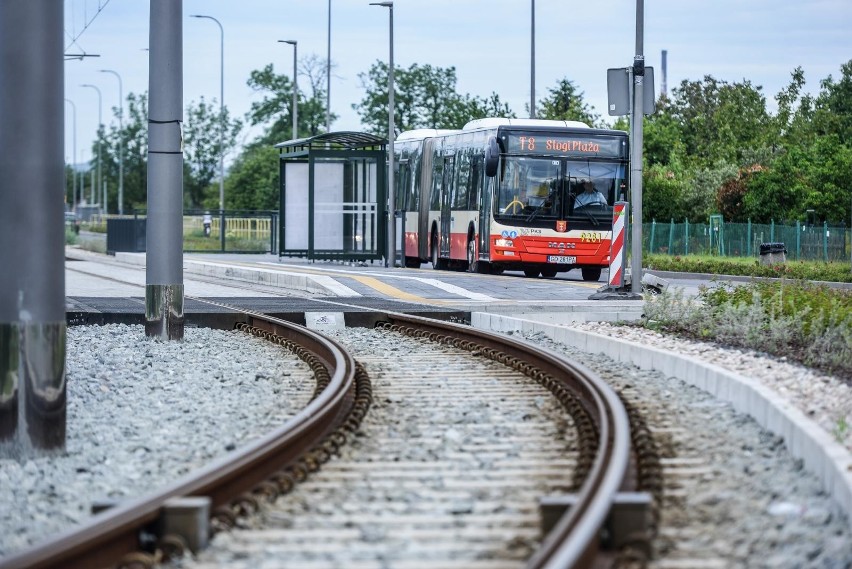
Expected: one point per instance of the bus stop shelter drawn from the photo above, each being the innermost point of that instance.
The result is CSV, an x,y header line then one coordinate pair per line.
x,y
333,197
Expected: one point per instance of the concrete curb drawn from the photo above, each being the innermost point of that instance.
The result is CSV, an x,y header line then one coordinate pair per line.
x,y
804,439
314,284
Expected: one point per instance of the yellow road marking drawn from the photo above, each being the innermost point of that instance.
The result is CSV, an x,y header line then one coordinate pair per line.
x,y
387,289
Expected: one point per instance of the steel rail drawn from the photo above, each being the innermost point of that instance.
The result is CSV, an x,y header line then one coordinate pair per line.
x,y
574,541
108,536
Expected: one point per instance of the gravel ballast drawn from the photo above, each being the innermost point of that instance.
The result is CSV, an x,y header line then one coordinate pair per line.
x,y
143,412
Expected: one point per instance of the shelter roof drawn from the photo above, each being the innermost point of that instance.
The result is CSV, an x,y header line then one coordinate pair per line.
x,y
344,139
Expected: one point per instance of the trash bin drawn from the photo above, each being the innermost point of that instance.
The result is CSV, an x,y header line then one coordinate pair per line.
x,y
126,234
773,253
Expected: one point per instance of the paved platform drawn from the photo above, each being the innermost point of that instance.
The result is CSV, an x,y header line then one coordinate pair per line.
x,y
266,276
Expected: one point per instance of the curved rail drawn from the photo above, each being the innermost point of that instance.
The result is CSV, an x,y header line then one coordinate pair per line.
x,y
118,531
574,541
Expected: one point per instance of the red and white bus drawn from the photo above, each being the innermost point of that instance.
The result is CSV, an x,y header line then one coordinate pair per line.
x,y
503,194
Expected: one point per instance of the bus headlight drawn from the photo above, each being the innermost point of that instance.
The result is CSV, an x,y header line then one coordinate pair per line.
x,y
503,243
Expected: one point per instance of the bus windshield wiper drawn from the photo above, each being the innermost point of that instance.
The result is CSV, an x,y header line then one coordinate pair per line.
x,y
595,221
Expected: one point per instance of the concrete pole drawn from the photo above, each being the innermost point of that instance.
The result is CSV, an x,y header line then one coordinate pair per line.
x,y
636,152
32,284
164,293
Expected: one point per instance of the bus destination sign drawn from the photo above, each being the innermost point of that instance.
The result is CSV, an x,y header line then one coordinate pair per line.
x,y
543,143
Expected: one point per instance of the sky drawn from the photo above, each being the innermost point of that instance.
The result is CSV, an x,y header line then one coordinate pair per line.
x,y
487,41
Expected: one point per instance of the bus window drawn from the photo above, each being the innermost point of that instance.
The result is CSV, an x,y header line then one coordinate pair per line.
x,y
437,177
477,163
527,185
605,177
460,191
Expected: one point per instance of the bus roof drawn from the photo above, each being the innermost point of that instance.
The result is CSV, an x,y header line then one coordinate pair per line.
x,y
421,133
492,122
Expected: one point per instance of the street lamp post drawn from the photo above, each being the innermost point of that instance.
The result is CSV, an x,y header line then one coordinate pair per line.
x,y
221,110
74,199
391,192
532,59
295,90
328,76
120,141
100,124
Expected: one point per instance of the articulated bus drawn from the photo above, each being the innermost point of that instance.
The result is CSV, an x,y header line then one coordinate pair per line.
x,y
501,194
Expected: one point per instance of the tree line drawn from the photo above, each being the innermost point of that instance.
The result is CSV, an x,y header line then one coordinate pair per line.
x,y
710,147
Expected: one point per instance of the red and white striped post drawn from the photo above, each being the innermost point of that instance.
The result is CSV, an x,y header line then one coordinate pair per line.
x,y
616,247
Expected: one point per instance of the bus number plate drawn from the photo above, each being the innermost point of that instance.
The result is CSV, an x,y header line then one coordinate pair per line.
x,y
561,259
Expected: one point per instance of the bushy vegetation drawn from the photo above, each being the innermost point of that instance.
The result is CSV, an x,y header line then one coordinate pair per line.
x,y
71,237
751,267
804,322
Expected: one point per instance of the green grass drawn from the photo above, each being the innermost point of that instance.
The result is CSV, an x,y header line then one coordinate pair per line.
x,y
196,241
745,266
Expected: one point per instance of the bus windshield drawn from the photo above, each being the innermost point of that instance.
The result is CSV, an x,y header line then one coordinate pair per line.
x,y
536,191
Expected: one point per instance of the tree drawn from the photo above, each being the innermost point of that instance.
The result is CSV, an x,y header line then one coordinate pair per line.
x,y
662,194
203,125
424,97
814,176
833,113
134,138
275,110
565,102
253,179
717,120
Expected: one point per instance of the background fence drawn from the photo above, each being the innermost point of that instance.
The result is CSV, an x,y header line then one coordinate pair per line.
x,y
803,241
244,231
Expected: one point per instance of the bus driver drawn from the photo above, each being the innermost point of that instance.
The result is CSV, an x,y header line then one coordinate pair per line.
x,y
589,196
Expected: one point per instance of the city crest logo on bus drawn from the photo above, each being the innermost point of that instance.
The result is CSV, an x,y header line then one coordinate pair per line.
x,y
561,225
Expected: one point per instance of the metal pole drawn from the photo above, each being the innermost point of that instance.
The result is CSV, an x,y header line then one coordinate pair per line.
x,y
328,76
532,59
32,284
295,91
221,114
74,154
636,153
391,257
120,141
100,124
164,292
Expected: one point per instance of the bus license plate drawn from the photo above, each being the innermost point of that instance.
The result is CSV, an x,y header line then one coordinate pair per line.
x,y
561,259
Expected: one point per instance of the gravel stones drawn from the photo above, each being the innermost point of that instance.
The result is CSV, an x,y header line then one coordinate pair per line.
x,y
141,413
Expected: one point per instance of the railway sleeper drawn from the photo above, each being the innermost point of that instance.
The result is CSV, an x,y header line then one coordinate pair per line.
x,y
628,524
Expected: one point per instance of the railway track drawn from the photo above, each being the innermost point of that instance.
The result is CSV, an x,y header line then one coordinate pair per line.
x,y
448,469
133,534
151,528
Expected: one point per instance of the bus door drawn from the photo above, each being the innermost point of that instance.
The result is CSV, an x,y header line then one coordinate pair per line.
x,y
446,225
484,245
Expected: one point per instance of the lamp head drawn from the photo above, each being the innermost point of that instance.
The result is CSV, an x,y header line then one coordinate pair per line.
x,y
385,4
291,42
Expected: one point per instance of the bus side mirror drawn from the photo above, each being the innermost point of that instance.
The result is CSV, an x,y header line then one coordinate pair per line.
x,y
492,157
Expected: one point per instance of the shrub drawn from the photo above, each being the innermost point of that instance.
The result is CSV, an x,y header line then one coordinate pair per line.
x,y
805,322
